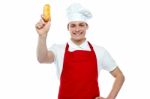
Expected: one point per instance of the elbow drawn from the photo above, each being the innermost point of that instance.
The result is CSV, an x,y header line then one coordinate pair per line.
x,y
40,60
121,77
44,60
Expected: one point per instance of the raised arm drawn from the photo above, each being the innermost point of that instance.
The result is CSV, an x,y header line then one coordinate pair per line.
x,y
43,55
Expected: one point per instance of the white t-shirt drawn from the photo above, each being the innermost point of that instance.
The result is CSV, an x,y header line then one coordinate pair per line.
x,y
104,59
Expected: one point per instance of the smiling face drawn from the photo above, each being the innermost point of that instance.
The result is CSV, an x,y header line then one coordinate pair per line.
x,y
77,31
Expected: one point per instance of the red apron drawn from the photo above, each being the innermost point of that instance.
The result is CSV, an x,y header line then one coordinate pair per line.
x,y
79,78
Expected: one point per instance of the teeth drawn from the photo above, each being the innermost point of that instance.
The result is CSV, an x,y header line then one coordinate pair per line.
x,y
77,34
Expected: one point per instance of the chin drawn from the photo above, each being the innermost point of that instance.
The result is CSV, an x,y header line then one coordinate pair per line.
x,y
78,39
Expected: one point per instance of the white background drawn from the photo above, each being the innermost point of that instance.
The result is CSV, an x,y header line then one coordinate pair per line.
x,y
121,26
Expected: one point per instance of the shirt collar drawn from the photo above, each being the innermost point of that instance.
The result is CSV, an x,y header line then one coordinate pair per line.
x,y
83,46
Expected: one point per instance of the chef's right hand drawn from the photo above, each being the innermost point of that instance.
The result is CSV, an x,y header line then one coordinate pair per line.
x,y
42,27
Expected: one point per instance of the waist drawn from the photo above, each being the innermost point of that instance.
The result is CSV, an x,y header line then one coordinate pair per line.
x,y
77,97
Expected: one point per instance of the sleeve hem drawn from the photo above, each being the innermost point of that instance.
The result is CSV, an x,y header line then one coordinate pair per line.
x,y
112,68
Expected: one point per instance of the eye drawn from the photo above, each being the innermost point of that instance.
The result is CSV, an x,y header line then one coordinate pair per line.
x,y
82,24
72,25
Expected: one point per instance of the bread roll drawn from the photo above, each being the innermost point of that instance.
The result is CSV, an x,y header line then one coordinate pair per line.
x,y
46,13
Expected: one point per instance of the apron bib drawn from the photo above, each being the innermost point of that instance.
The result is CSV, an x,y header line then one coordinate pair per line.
x,y
79,77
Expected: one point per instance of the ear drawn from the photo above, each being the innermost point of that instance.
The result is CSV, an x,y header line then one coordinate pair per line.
x,y
87,26
68,27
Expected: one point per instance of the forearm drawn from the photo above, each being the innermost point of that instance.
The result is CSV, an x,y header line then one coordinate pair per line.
x,y
119,80
42,50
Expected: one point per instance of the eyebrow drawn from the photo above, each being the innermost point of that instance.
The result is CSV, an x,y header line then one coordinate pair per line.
x,y
82,23
77,24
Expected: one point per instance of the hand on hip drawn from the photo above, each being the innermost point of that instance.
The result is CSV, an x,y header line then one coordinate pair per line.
x,y
100,98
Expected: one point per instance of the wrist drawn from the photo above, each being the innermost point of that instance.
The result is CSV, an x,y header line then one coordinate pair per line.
x,y
43,36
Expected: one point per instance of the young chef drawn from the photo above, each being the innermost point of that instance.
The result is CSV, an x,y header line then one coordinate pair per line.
x,y
78,62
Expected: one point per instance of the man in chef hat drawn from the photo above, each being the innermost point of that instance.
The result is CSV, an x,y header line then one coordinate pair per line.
x,y
78,62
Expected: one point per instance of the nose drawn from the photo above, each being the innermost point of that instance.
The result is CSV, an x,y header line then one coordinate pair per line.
x,y
77,29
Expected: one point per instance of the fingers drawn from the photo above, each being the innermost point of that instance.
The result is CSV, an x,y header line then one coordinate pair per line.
x,y
97,98
42,17
100,98
40,24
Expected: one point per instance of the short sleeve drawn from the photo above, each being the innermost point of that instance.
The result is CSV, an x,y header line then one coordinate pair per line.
x,y
108,62
58,51
54,48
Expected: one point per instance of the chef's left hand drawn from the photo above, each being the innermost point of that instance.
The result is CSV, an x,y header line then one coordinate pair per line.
x,y
100,98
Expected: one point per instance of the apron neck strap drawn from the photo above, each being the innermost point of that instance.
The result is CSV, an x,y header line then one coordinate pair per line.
x,y
91,47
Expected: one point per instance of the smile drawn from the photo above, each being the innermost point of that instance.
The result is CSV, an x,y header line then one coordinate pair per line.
x,y
77,34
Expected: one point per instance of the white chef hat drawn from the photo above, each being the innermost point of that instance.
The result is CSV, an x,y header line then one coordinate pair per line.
x,y
76,12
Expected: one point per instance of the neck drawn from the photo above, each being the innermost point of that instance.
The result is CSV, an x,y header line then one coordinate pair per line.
x,y
78,42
